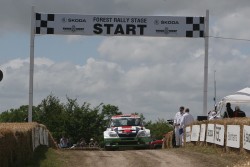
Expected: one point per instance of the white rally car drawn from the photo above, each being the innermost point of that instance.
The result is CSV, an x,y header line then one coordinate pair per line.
x,y
126,131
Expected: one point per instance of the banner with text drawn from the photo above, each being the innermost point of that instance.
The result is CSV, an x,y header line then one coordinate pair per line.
x,y
210,133
219,134
203,132
233,136
116,25
195,132
188,133
246,137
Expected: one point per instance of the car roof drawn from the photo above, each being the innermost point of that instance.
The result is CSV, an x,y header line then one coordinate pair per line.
x,y
125,116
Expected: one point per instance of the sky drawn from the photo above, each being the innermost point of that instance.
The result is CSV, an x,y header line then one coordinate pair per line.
x,y
148,75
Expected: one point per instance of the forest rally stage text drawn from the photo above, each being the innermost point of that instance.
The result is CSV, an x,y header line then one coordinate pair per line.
x,y
130,26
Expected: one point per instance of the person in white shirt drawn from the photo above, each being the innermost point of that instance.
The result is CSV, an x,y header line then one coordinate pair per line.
x,y
212,115
177,122
186,120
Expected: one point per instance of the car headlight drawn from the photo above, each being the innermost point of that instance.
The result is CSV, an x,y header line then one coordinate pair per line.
x,y
113,134
141,134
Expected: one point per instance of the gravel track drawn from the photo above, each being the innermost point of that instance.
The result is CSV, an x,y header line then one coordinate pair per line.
x,y
138,158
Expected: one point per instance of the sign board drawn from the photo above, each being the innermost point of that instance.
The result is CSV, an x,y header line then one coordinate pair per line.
x,y
219,134
233,136
246,137
188,134
195,132
117,25
210,133
203,132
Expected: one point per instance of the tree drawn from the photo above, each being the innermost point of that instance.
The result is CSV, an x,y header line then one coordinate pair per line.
x,y
107,112
70,120
15,115
82,121
159,128
50,112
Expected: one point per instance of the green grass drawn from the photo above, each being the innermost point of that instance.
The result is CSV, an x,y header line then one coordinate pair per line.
x,y
214,155
45,157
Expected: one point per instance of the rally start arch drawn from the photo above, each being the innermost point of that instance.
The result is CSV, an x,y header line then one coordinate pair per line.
x,y
118,25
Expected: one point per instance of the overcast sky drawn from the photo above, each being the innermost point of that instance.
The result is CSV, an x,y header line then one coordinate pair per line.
x,y
148,75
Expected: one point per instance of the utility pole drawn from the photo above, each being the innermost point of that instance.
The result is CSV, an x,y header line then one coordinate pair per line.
x,y
206,64
214,90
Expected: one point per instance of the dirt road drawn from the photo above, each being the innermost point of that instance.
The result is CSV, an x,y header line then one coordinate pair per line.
x,y
138,158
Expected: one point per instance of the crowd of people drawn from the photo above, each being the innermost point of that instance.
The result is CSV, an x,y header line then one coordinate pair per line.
x,y
182,119
65,143
229,112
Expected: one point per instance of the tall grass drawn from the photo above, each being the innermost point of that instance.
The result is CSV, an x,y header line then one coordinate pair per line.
x,y
45,157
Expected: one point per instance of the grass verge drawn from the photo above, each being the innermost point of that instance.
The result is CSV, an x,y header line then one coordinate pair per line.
x,y
215,156
45,157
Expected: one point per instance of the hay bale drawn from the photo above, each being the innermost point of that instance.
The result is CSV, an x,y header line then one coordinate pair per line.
x,y
16,143
7,145
168,140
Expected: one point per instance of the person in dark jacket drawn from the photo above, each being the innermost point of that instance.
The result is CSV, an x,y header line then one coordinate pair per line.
x,y
238,112
229,113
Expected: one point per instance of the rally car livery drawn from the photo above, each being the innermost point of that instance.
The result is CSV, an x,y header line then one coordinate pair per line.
x,y
126,131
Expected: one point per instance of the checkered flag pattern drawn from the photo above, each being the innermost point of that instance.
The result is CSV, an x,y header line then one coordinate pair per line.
x,y
44,23
197,25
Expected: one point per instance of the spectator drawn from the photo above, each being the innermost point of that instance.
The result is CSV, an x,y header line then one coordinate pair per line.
x,y
238,112
63,142
212,114
229,113
83,142
26,119
177,121
186,120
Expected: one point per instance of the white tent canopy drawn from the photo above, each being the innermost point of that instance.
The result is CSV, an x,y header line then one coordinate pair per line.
x,y
240,97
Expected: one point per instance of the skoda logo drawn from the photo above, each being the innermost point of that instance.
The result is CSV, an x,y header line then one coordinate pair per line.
x,y
73,29
64,19
156,22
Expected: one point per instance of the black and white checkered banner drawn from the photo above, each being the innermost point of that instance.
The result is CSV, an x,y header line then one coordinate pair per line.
x,y
115,25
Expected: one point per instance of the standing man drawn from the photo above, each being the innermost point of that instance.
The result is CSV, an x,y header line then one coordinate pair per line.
x,y
229,113
177,121
186,120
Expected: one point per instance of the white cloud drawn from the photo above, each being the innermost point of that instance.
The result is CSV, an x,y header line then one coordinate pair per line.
x,y
235,25
15,64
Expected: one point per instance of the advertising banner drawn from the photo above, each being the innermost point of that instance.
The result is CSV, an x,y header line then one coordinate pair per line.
x,y
246,137
219,134
203,132
195,132
233,136
188,134
210,133
117,25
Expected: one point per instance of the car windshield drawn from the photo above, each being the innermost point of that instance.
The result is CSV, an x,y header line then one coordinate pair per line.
x,y
126,122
